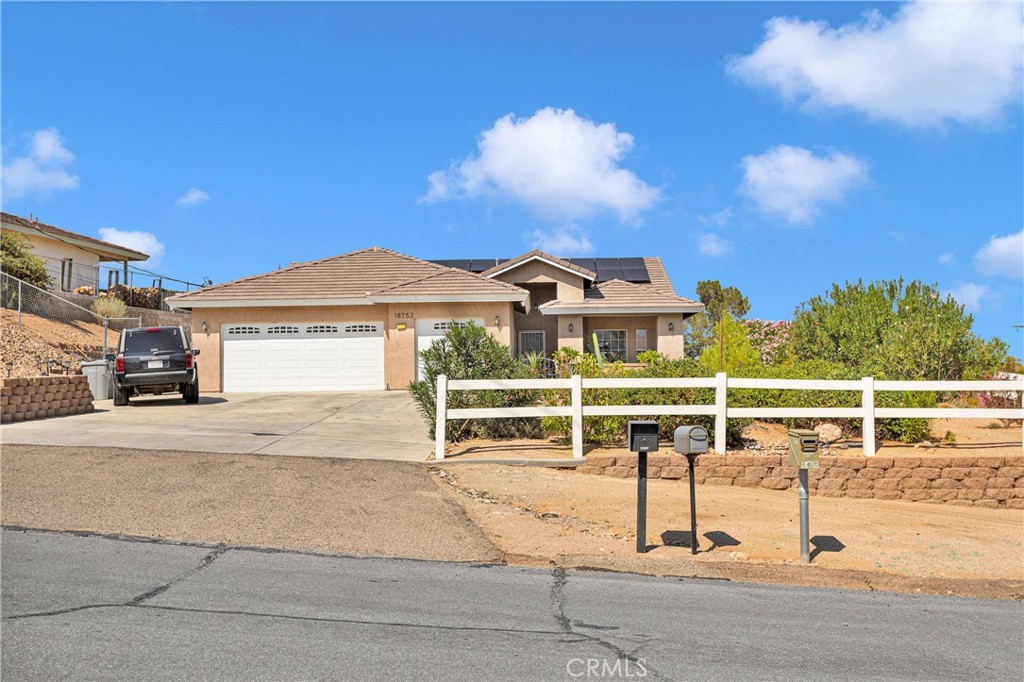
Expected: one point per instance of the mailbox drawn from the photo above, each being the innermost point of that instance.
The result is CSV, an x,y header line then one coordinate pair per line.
x,y
691,440
803,449
642,436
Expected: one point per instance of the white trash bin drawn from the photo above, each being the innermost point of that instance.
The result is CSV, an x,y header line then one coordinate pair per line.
x,y
98,374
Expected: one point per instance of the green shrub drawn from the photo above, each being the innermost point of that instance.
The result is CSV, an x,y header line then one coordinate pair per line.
x,y
109,307
904,429
471,353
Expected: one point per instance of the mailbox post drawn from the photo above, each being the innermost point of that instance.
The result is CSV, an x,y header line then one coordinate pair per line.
x,y
642,437
803,454
691,441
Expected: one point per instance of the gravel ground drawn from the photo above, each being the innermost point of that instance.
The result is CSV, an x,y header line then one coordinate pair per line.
x,y
378,508
39,338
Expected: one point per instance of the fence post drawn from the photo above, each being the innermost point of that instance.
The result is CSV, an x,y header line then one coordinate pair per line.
x,y
19,304
106,324
721,411
576,400
441,414
868,428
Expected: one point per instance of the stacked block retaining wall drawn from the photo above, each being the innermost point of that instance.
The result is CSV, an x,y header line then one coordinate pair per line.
x,y
41,397
974,481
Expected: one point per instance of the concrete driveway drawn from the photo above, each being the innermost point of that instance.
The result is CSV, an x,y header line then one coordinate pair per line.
x,y
367,425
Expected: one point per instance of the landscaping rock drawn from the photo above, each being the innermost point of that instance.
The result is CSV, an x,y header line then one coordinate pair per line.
x,y
828,433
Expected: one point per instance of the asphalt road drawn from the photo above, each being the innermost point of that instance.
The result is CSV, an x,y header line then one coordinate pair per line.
x,y
102,609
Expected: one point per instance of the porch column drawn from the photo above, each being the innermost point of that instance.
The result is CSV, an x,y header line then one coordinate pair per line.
x,y
573,339
670,336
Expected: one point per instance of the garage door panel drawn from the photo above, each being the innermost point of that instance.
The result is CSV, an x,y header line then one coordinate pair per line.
x,y
322,357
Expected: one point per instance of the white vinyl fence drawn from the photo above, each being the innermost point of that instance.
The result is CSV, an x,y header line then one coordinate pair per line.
x,y
721,382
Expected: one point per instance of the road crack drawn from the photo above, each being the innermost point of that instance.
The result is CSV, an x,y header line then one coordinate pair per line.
x,y
207,560
566,624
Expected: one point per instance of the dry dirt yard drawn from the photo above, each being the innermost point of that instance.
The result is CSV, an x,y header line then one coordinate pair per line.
x,y
540,516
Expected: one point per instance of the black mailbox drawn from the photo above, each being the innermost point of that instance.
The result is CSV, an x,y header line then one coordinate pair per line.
x,y
642,436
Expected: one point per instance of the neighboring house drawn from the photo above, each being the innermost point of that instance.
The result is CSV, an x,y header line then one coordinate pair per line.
x,y
359,320
72,260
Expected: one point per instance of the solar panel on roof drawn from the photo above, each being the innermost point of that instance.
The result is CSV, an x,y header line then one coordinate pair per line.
x,y
632,263
461,263
606,273
585,263
635,275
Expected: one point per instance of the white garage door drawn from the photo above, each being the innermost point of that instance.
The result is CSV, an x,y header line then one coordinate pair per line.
x,y
429,331
303,357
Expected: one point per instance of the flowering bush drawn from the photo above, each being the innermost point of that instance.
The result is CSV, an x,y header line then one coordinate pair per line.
x,y
769,339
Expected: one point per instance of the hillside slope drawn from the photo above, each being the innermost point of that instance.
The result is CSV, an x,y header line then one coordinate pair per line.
x,y
41,339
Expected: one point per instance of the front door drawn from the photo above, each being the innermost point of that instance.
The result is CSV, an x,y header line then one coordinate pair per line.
x,y
531,342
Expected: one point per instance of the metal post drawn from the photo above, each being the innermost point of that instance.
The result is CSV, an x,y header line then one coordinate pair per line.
x,y
105,324
693,506
19,304
641,502
805,545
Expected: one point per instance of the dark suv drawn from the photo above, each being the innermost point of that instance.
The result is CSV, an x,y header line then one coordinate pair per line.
x,y
154,361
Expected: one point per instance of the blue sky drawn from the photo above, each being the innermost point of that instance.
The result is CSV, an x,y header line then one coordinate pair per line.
x,y
777,147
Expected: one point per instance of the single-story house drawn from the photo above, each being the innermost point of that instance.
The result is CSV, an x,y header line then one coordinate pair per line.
x,y
358,321
72,260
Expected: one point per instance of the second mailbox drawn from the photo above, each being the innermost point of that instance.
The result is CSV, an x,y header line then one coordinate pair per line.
x,y
803,449
691,440
642,436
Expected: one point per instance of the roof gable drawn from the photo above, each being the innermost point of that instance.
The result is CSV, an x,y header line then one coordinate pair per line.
x,y
537,255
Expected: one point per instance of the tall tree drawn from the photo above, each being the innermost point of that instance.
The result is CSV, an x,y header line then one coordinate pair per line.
x,y
717,300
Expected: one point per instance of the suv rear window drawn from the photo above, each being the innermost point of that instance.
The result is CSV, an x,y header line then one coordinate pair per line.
x,y
142,341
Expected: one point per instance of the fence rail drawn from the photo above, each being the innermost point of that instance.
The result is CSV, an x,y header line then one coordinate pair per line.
x,y
867,411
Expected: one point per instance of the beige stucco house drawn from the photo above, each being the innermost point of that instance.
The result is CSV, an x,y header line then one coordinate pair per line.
x,y
358,321
72,260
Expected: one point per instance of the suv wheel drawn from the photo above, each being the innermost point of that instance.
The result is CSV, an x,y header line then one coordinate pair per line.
x,y
120,396
191,393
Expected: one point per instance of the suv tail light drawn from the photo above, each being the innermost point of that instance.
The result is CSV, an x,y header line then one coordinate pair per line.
x,y
119,364
188,359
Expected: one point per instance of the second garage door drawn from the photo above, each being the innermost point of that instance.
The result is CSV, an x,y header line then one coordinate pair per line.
x,y
291,357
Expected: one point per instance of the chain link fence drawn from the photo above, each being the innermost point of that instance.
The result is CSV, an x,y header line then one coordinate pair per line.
x,y
44,334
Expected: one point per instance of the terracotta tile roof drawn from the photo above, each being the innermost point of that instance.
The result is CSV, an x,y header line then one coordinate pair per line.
x,y
359,275
105,249
658,276
509,264
616,294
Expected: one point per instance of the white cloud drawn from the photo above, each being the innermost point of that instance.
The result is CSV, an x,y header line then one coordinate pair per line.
x,y
146,242
192,197
1002,256
43,170
555,163
947,258
970,295
792,182
713,246
564,241
717,219
930,62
